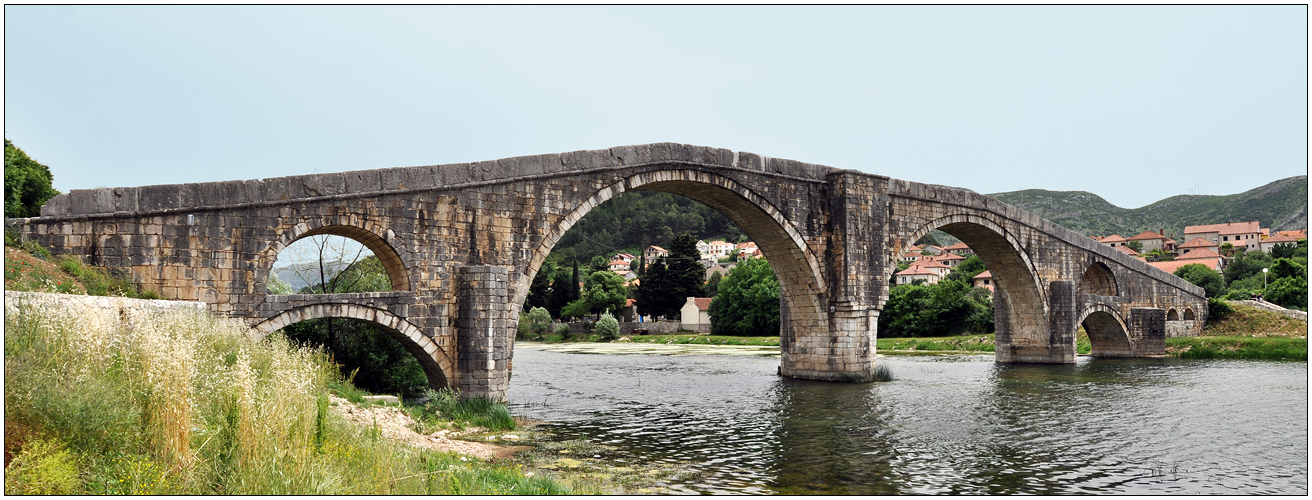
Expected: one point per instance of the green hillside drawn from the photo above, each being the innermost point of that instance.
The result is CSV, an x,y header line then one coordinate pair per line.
x,y
1280,205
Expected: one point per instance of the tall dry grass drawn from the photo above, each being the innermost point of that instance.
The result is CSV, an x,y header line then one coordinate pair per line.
x,y
182,403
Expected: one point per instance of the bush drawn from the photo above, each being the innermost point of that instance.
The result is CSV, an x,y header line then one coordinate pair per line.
x,y
1211,282
1289,292
446,403
747,303
41,468
564,331
539,320
27,183
1218,310
1238,295
608,327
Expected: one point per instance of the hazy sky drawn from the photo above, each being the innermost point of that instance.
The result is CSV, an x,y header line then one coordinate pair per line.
x,y
1133,103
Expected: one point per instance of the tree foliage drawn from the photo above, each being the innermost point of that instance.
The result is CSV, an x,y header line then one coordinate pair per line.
x,y
637,219
564,290
747,303
604,291
28,184
670,280
951,307
967,269
607,326
539,291
1211,282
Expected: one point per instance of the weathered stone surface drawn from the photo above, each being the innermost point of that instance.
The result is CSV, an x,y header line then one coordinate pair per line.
x,y
461,243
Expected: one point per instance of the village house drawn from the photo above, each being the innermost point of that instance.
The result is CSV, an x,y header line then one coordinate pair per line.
x,y
619,265
1280,238
695,314
703,247
1154,241
654,252
720,249
911,256
1196,256
959,248
1238,234
1127,251
926,269
1198,243
628,275
723,269
949,259
933,250
984,280
627,258
1114,240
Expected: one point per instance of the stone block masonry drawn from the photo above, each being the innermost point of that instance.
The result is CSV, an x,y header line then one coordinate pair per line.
x,y
461,243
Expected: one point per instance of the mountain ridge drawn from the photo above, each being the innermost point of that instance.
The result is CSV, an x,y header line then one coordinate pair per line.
x,y
1279,205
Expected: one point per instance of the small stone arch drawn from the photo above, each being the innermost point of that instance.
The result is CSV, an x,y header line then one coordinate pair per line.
x,y
437,364
1107,332
1098,279
1188,314
379,240
800,275
1172,315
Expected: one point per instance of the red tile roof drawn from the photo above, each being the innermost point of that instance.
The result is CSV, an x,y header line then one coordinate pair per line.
x,y
1148,235
702,303
957,246
948,256
1115,238
1227,228
1283,238
1126,250
1198,253
1300,234
1171,265
1197,242
658,249
985,274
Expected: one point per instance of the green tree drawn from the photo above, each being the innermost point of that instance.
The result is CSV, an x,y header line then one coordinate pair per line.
x,y
1246,265
747,302
967,269
607,326
604,291
564,290
539,291
712,285
671,280
1211,282
1288,250
28,184
947,308
1288,268
538,321
1289,292
1135,245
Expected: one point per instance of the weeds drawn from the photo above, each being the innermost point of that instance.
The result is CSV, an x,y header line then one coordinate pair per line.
x,y
183,403
446,404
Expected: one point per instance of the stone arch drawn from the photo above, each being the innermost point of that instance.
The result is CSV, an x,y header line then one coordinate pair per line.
x,y
801,280
1172,315
437,364
1107,331
379,240
1020,305
1098,280
1188,314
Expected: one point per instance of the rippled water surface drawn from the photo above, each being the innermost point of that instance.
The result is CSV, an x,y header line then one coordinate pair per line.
x,y
947,424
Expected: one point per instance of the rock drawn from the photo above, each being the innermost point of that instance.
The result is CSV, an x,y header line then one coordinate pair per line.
x,y
384,399
510,437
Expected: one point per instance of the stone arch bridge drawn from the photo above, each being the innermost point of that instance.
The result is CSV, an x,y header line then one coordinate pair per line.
x,y
462,242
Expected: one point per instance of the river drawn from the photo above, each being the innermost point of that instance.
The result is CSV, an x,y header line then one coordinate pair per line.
x,y
953,424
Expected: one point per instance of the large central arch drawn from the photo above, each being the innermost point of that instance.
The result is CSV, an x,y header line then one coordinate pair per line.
x,y
381,241
1020,306
801,280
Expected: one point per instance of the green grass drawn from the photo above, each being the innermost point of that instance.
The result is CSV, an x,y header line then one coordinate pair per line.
x,y
31,268
446,406
181,403
1267,348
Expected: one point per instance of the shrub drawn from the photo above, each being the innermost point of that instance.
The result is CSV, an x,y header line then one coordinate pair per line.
x,y
446,403
1238,295
1217,310
1211,282
539,320
564,331
44,467
608,327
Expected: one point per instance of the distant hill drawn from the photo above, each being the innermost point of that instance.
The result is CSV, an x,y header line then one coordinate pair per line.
x,y
1280,205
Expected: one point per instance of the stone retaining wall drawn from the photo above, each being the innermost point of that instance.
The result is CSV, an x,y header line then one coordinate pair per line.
x,y
1267,306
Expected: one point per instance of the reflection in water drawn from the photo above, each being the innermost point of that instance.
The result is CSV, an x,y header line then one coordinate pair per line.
x,y
947,424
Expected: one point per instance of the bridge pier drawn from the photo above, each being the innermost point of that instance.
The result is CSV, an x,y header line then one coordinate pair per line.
x,y
1147,332
483,332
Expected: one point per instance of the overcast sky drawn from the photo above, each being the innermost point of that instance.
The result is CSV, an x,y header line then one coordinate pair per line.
x,y
1133,103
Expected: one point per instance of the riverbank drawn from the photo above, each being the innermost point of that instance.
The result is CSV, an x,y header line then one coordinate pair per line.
x,y
175,402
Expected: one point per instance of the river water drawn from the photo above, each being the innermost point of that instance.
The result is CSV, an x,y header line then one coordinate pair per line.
x,y
954,424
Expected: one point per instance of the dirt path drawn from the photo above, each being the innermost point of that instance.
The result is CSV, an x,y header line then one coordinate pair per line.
x,y
394,424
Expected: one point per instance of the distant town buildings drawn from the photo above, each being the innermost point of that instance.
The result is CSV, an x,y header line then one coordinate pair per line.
x,y
1202,244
